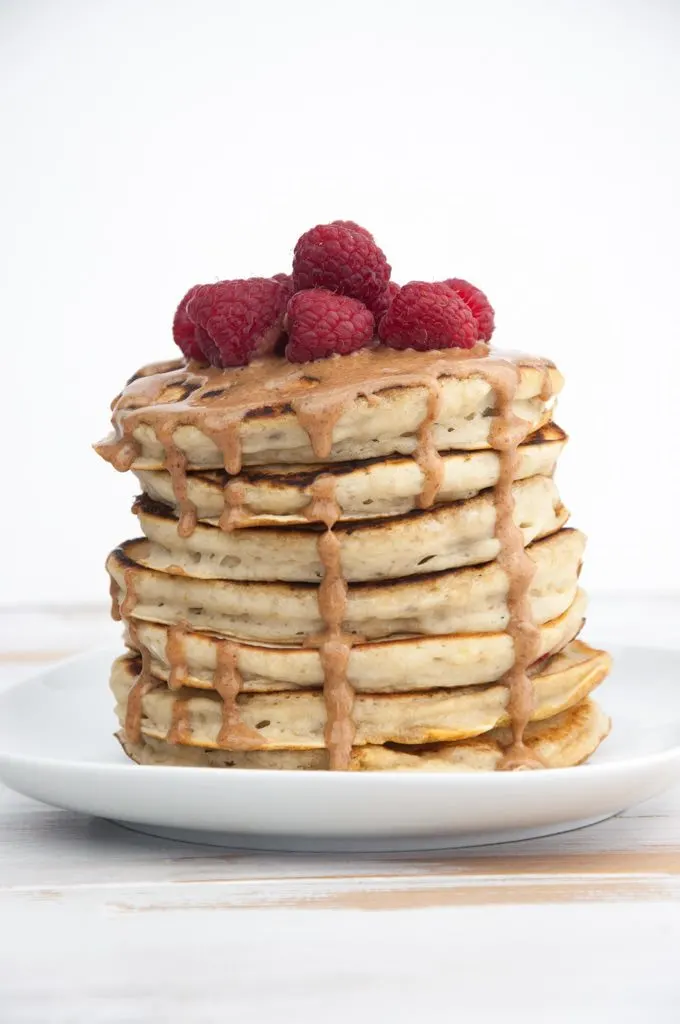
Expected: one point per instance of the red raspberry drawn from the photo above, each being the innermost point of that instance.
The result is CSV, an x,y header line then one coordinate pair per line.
x,y
480,306
211,353
386,301
428,316
341,259
242,319
185,332
284,279
321,323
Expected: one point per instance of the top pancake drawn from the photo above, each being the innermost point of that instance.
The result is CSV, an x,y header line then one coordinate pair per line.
x,y
366,405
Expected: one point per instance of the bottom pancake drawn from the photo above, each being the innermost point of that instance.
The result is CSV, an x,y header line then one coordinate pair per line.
x,y
565,740
294,720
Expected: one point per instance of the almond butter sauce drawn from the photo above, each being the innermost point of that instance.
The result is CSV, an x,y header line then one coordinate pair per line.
x,y
334,645
166,398
426,454
175,656
127,605
142,685
176,465
180,722
234,733
234,499
508,432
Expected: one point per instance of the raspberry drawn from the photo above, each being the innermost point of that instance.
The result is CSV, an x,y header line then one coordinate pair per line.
x,y
386,301
321,323
211,353
480,306
185,332
428,316
242,319
343,259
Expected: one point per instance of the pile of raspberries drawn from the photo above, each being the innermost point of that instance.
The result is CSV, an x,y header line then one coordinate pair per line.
x,y
338,299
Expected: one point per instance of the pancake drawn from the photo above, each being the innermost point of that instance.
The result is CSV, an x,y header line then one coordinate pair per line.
x,y
445,537
380,401
296,720
369,489
467,600
396,666
563,741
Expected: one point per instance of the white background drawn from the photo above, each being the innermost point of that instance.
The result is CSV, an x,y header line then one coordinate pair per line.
x,y
530,147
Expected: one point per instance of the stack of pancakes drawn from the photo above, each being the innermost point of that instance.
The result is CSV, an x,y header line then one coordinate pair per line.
x,y
321,570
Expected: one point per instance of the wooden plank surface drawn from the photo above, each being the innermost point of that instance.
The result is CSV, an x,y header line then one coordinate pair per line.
x,y
98,923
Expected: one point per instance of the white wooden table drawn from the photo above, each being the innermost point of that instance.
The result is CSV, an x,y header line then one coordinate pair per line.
x,y
98,924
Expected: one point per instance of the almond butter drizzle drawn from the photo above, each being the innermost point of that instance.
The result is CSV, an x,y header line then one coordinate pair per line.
x,y
129,601
176,465
234,499
508,432
175,656
334,645
142,685
234,733
270,384
180,723
427,454
227,437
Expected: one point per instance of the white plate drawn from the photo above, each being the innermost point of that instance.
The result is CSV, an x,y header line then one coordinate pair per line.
x,y
56,745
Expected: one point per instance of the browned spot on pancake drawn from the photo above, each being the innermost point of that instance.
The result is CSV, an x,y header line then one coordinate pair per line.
x,y
178,391
123,559
267,411
147,505
546,435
